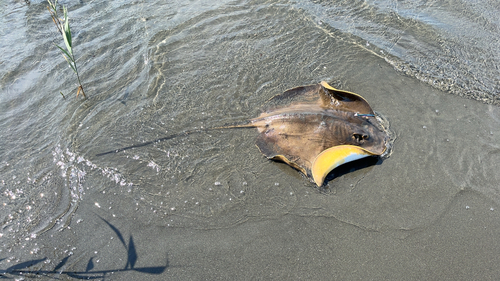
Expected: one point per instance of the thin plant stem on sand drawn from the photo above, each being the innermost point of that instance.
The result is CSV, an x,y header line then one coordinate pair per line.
x,y
63,27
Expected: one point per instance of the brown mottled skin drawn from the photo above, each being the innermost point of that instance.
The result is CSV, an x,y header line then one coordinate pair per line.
x,y
302,122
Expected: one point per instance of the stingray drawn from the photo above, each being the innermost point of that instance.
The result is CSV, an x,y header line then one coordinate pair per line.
x,y
314,129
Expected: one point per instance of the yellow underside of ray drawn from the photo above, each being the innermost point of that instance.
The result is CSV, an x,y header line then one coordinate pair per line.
x,y
333,157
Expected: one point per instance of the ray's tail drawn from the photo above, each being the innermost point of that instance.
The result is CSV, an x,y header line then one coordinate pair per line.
x,y
244,124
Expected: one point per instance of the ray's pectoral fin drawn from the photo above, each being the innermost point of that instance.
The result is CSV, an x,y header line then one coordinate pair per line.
x,y
273,151
345,100
333,157
267,148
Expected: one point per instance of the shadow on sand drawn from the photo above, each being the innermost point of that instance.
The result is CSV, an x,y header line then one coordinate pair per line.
x,y
22,269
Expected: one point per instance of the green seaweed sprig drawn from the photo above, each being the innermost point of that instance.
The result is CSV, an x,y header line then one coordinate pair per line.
x,y
63,27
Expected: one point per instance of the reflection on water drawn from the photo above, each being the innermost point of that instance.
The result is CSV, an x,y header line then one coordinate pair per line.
x,y
152,69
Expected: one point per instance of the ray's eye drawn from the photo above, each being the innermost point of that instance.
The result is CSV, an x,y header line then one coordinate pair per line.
x,y
360,137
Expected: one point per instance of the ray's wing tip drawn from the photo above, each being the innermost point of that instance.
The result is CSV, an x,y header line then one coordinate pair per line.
x,y
333,157
326,85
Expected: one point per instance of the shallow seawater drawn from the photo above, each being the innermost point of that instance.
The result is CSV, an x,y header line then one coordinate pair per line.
x,y
208,205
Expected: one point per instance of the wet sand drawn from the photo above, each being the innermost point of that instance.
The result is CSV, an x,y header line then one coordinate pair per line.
x,y
429,211
460,244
